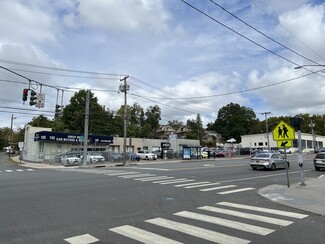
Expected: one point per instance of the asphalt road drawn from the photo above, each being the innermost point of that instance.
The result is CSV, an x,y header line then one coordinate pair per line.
x,y
184,202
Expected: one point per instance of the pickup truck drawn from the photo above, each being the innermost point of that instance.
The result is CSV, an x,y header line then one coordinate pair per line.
x,y
146,155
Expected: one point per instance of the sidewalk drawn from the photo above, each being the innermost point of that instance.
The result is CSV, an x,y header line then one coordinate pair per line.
x,y
308,198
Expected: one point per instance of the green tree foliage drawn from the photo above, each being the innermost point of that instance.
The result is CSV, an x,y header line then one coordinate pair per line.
x,y
151,122
135,119
175,124
74,114
234,120
195,127
41,121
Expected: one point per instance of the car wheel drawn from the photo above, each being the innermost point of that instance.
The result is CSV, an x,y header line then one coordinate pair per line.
x,y
146,158
254,168
317,168
273,167
68,161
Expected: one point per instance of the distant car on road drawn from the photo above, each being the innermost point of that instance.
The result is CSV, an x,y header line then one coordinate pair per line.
x,y
319,161
270,161
146,155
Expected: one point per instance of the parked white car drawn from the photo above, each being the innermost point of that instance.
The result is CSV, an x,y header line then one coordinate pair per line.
x,y
70,160
146,155
94,158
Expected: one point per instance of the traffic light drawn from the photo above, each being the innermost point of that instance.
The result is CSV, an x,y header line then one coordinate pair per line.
x,y
32,99
25,95
57,111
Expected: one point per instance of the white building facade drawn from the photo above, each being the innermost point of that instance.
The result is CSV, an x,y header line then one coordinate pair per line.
x,y
309,142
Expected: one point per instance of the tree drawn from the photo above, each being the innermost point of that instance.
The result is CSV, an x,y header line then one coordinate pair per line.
x,y
74,114
41,121
195,127
175,124
235,120
151,122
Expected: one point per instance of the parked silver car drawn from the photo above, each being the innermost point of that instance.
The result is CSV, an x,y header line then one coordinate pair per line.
x,y
270,161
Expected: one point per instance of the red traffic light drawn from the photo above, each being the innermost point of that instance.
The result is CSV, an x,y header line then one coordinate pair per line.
x,y
25,95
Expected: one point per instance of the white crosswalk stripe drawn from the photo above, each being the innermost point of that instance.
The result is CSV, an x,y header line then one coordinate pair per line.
x,y
122,173
176,181
82,239
142,235
202,185
137,175
154,178
9,171
235,191
192,184
256,217
264,210
30,169
217,188
145,236
197,231
19,170
164,181
228,223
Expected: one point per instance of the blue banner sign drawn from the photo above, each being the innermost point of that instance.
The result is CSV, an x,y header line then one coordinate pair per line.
x,y
70,137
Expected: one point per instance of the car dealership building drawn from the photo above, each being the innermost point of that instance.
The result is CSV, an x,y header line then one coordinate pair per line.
x,y
44,145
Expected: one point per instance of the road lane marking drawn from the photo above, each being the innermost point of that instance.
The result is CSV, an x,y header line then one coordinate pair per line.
x,y
142,235
176,181
192,184
198,232
264,210
235,191
19,170
155,178
256,217
162,181
217,188
202,185
9,171
151,168
122,173
224,222
136,176
30,169
82,239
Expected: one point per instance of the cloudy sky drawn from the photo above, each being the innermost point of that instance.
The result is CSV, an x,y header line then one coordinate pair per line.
x,y
187,57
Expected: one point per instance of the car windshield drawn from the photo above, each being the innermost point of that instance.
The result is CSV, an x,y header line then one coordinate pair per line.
x,y
320,156
262,155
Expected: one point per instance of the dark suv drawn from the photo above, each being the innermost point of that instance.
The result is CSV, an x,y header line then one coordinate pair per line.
x,y
319,161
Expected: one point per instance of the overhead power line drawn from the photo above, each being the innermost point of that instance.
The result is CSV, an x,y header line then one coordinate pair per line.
x,y
287,30
60,69
263,34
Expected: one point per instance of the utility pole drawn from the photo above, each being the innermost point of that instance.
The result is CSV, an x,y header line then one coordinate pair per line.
x,y
11,135
85,147
312,125
124,88
267,130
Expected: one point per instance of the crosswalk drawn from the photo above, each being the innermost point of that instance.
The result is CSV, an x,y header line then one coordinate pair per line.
x,y
16,170
203,186
219,220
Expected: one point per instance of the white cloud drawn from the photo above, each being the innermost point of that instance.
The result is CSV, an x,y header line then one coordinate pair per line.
x,y
127,15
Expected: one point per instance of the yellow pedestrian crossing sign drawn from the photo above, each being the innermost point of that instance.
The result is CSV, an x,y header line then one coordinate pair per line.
x,y
283,132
